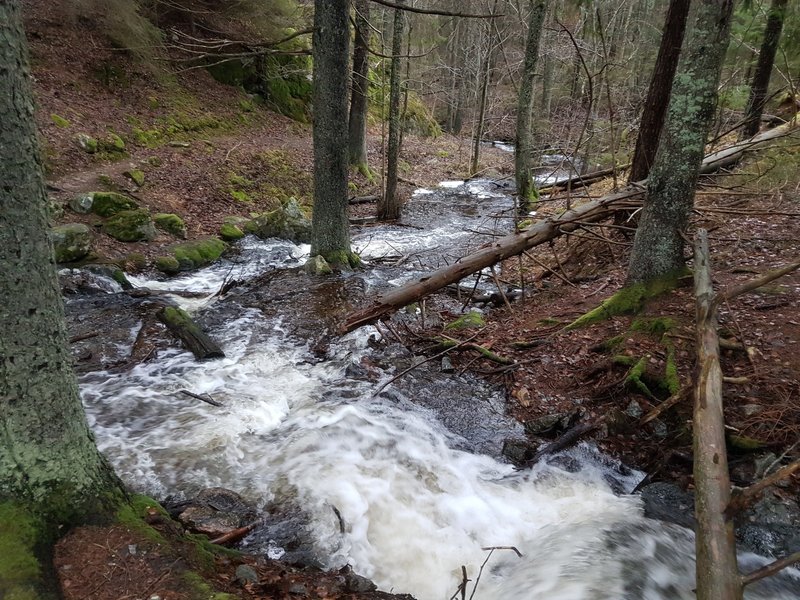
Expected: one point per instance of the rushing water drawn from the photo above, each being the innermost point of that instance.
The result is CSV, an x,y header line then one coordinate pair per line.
x,y
413,471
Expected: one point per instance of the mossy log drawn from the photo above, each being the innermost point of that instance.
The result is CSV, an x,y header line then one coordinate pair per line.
x,y
193,337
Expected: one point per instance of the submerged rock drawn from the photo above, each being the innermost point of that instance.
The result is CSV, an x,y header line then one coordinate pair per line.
x,y
71,242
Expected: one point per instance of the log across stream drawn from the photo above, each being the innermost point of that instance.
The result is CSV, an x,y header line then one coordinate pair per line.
x,y
414,472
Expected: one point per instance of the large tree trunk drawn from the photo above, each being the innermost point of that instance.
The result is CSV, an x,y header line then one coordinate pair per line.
x,y
766,59
658,246
49,464
717,571
485,77
360,88
523,151
330,227
658,94
389,207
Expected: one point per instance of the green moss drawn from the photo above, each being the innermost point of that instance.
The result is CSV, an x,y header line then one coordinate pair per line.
x,y
132,515
230,232
241,196
59,121
150,138
171,223
744,443
635,377
20,532
624,359
199,589
114,143
105,180
168,264
613,343
130,226
672,381
135,175
197,253
342,259
87,143
470,320
626,301
364,169
107,204
657,327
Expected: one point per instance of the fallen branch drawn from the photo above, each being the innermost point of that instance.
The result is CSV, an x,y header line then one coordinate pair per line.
x,y
745,497
195,339
771,568
204,397
755,283
565,441
717,571
83,336
234,536
665,405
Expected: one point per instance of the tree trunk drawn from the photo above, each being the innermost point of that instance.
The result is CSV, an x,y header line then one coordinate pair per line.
x,y
658,246
766,59
717,571
389,207
486,75
523,151
49,464
658,94
360,89
330,227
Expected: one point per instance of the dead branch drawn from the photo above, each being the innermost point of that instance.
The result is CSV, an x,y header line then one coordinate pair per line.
x,y
203,397
665,405
565,441
745,497
427,11
771,568
755,283
235,535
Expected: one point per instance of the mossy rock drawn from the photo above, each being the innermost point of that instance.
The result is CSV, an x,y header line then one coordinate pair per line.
x,y
171,223
317,265
131,226
105,204
113,143
470,320
71,242
288,222
230,232
136,176
87,143
191,255
59,121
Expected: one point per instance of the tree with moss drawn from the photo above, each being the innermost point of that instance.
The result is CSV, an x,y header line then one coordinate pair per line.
x,y
659,242
52,476
330,228
523,151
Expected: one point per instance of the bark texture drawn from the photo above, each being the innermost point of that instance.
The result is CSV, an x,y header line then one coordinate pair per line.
x,y
763,73
51,473
526,190
389,207
717,571
658,246
330,227
658,94
360,87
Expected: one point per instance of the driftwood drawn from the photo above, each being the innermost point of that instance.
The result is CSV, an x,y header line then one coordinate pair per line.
x,y
717,571
203,397
234,535
193,337
541,232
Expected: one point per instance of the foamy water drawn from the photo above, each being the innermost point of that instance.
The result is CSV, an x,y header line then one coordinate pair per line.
x,y
299,432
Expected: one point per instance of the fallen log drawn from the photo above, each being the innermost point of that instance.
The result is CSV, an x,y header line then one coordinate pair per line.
x,y
717,570
733,154
499,250
193,337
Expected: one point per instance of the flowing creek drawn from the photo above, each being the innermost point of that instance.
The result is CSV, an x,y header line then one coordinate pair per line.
x,y
414,471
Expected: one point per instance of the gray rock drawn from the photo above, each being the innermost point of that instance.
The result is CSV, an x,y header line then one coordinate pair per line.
x,y
287,222
634,410
71,242
82,204
246,574
317,265
668,502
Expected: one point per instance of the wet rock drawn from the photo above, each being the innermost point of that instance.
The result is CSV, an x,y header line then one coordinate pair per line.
x,y
230,232
246,574
545,424
288,222
518,451
191,255
356,584
471,320
447,365
214,512
71,242
130,226
112,272
667,502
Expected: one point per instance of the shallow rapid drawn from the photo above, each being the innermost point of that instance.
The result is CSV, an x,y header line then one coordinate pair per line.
x,y
413,472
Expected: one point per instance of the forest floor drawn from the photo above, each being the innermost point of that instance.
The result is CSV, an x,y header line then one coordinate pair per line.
x,y
207,153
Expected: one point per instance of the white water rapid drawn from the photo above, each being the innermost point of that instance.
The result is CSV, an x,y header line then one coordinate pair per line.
x,y
416,505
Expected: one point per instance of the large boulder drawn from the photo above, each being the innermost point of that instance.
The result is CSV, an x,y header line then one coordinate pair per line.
x,y
288,222
71,242
131,226
105,204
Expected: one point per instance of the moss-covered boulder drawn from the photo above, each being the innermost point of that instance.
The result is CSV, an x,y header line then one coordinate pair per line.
x,y
131,226
105,204
71,242
317,265
230,232
191,255
171,223
136,176
87,143
288,222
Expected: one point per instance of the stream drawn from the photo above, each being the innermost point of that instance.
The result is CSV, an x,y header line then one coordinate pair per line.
x,y
414,471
